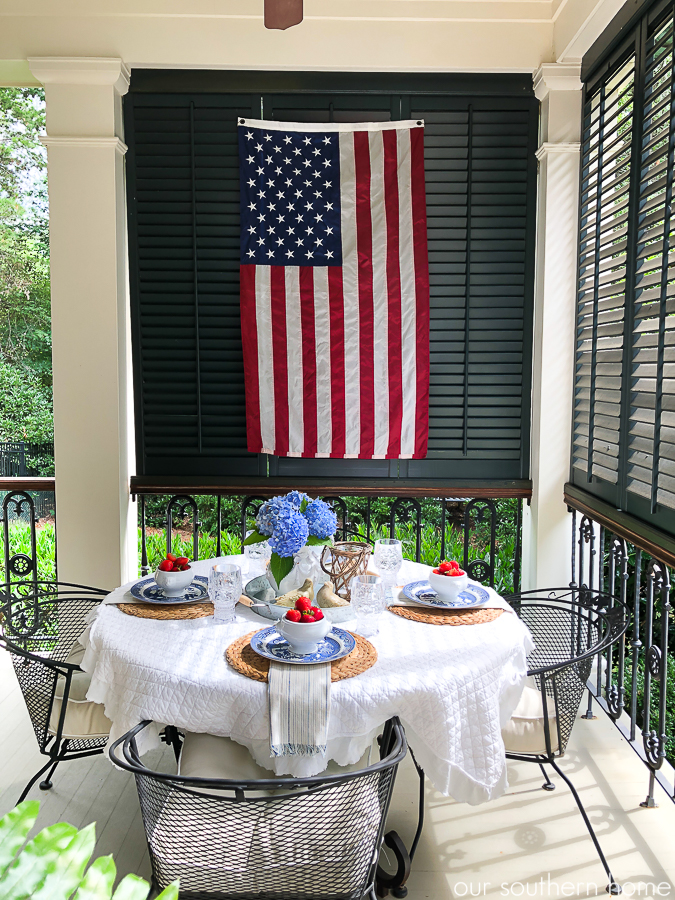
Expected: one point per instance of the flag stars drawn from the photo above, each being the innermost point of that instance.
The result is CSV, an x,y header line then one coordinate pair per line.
x,y
319,218
268,137
287,139
268,159
297,151
316,174
270,183
317,193
251,206
280,195
307,141
289,253
319,242
326,162
326,140
316,151
308,205
299,242
249,135
329,254
276,149
296,171
259,170
251,253
260,242
251,230
278,170
270,252
280,241
287,161
307,162
251,182
288,182
261,193
250,159
310,254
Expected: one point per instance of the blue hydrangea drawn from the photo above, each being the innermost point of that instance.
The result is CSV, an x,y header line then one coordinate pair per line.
x,y
321,519
267,515
290,531
295,498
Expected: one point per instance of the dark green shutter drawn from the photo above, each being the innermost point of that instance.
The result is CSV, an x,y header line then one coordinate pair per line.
x,y
183,191
624,431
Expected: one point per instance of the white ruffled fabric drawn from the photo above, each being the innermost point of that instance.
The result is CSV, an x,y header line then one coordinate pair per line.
x,y
453,687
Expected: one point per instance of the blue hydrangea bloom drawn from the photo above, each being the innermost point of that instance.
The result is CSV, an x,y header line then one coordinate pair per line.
x,y
321,519
267,515
290,531
295,498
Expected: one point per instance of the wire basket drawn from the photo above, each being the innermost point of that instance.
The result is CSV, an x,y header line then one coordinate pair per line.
x,y
343,561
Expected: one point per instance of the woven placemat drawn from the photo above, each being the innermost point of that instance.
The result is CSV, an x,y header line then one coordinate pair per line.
x,y
447,616
246,661
175,611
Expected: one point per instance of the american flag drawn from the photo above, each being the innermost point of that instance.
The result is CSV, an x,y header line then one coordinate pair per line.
x,y
334,289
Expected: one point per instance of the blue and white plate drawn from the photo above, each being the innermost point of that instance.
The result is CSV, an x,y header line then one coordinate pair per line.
x,y
422,592
270,644
151,592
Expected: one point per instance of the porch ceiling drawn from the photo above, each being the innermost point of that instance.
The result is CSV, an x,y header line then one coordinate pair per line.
x,y
365,35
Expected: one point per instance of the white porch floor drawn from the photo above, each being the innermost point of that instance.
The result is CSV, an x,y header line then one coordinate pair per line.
x,y
526,836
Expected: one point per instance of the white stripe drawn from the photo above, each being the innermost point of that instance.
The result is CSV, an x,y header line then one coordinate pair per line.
x,y
408,309
296,433
350,291
263,315
324,429
380,296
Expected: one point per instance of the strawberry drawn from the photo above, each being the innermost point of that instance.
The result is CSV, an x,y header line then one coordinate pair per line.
x,y
308,619
437,572
184,568
314,610
182,561
165,566
303,604
171,557
318,615
293,615
175,568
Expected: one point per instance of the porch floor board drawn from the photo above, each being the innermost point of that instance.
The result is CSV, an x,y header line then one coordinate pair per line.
x,y
519,840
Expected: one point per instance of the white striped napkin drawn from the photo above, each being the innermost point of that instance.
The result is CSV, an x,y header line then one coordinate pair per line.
x,y
299,709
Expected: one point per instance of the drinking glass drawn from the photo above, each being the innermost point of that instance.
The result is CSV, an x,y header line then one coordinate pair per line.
x,y
224,590
367,597
388,558
257,557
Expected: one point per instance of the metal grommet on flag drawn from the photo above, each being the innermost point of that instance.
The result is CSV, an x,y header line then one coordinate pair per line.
x,y
334,289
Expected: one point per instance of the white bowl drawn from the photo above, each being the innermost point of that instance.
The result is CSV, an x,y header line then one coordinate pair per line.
x,y
448,587
303,637
174,583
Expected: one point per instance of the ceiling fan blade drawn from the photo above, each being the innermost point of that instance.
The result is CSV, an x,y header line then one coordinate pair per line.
x,y
282,13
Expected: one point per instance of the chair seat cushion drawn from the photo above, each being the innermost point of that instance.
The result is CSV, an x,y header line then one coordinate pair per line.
x,y
525,732
84,719
208,756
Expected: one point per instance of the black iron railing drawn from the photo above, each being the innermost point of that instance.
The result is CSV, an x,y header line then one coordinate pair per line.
x,y
476,530
632,680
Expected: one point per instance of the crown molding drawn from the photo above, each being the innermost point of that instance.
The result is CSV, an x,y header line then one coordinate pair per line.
x,y
562,147
81,70
556,77
74,141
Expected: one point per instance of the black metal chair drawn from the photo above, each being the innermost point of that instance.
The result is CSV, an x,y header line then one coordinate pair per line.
x,y
570,627
246,836
41,622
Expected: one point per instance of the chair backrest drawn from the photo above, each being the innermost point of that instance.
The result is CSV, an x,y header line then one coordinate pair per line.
x,y
276,838
570,627
41,622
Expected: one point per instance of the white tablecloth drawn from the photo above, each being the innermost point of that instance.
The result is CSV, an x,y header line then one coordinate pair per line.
x,y
453,688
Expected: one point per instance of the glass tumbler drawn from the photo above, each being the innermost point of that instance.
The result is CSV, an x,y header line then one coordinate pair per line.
x,y
224,590
388,558
257,557
367,598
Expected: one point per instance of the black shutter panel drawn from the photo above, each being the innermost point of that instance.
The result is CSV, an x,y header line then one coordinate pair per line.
x,y
184,253
184,238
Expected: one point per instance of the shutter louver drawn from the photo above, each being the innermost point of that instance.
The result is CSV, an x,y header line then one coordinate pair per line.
x,y
605,187
651,447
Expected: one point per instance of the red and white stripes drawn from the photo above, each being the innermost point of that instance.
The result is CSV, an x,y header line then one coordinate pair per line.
x,y
336,358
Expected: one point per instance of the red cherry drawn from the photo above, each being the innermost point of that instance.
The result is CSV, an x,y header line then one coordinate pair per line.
x,y
303,604
318,615
165,565
293,615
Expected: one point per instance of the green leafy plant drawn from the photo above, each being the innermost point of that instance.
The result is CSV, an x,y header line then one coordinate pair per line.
x,y
53,865
19,542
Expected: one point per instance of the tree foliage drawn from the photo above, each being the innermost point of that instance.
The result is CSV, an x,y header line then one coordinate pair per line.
x,y
25,314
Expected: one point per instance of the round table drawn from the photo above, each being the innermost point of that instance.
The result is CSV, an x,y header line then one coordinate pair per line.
x,y
453,687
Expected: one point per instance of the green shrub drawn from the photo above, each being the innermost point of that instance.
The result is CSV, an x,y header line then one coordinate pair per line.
x,y
53,865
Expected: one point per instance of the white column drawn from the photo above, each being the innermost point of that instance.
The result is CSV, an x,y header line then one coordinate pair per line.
x,y
93,426
546,524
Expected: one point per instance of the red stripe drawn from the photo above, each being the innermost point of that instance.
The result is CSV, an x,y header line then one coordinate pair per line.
x,y
337,360
421,259
393,294
308,359
364,245
279,358
249,340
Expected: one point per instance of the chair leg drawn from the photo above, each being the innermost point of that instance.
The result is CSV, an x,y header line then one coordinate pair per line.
x,y
548,784
51,764
612,887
